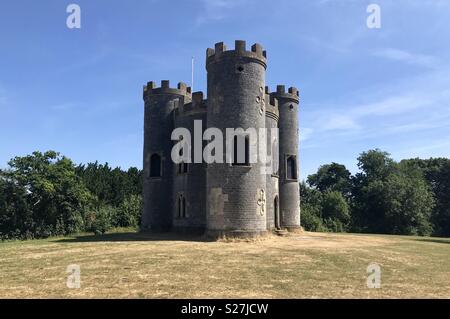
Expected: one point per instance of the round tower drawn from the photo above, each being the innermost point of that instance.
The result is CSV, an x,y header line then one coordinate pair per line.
x,y
189,184
288,103
236,99
272,166
158,166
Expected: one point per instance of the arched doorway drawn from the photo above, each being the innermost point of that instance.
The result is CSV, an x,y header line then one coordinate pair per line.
x,y
276,213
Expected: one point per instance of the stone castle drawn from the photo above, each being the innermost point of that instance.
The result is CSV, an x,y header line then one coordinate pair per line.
x,y
230,198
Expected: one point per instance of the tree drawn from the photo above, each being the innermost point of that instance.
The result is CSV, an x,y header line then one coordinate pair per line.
x,y
390,197
110,186
437,174
332,177
335,211
128,214
310,207
408,203
51,197
328,211
15,215
375,164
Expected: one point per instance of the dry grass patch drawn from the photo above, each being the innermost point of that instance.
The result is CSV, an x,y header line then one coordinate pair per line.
x,y
302,265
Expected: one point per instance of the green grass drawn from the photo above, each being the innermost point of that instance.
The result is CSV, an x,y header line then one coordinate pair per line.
x,y
127,264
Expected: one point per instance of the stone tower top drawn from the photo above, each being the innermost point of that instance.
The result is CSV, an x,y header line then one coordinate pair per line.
x,y
198,105
181,89
291,94
220,51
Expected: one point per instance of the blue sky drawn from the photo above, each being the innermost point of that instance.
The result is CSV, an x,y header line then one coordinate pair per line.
x,y
80,91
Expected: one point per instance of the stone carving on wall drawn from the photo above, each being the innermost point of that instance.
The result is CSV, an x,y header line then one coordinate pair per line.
x,y
261,201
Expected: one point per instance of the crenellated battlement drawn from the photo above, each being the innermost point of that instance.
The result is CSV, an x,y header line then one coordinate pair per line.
x,y
271,105
152,89
220,51
291,94
197,105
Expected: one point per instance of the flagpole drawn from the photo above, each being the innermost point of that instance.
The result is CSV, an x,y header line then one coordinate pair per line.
x,y
192,75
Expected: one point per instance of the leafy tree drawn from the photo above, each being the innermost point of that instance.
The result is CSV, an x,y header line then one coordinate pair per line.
x,y
332,177
100,221
437,174
408,203
46,197
310,206
128,214
328,211
335,211
15,215
110,186
390,197
375,165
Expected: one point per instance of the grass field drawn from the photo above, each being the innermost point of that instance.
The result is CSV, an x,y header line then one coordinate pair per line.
x,y
304,265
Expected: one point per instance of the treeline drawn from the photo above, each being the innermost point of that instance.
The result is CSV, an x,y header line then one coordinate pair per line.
x,y
46,194
410,197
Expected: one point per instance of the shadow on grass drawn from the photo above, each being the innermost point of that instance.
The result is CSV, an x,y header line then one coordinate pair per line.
x,y
135,236
435,240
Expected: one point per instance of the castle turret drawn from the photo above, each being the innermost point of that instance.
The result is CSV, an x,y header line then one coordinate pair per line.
x,y
288,103
189,187
158,165
236,99
273,199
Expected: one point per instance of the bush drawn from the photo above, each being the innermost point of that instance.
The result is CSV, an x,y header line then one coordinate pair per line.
x,y
311,220
128,214
99,221
335,211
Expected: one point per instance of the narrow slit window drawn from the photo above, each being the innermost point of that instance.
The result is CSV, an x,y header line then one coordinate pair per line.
x,y
155,165
182,168
181,206
291,167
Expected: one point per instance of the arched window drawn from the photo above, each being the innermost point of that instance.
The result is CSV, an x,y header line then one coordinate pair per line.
x,y
181,204
291,167
155,165
241,156
276,212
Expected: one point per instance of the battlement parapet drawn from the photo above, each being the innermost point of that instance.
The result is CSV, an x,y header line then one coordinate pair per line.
x,y
292,94
182,89
220,52
271,105
197,105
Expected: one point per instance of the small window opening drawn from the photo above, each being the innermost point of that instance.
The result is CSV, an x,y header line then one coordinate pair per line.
x,y
291,167
155,165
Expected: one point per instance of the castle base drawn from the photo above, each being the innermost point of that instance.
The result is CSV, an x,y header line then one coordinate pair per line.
x,y
242,234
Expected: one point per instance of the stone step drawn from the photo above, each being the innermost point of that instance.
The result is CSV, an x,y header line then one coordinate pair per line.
x,y
281,232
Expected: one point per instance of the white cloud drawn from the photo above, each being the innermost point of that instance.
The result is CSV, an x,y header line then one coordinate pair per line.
x,y
305,133
408,57
414,104
216,10
340,122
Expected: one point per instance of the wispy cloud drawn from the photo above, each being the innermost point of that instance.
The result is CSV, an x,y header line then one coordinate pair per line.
x,y
216,10
408,57
411,106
